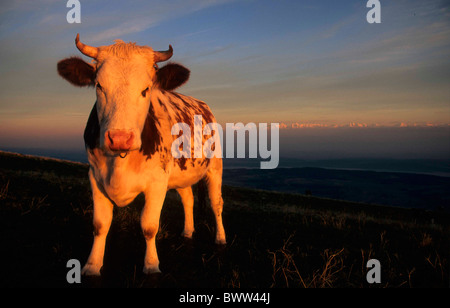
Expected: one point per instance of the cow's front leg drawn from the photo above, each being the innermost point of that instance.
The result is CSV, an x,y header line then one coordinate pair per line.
x,y
154,199
103,213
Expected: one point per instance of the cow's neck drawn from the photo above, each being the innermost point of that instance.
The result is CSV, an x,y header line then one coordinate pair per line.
x,y
156,134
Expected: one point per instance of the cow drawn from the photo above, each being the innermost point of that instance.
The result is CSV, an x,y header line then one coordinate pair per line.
x,y
128,141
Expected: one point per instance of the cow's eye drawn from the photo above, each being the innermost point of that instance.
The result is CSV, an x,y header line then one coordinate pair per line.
x,y
98,86
144,92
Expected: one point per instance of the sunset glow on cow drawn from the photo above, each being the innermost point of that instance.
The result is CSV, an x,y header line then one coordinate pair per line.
x,y
128,140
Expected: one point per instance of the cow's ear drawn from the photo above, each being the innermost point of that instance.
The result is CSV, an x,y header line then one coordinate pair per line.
x,y
77,72
172,76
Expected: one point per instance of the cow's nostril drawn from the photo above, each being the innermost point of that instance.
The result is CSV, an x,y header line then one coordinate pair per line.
x,y
130,139
109,138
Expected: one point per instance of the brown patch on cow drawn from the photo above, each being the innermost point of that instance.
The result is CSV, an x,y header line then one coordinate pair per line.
x,y
92,130
163,105
174,108
183,115
181,163
206,162
76,71
206,113
164,158
185,110
177,96
151,136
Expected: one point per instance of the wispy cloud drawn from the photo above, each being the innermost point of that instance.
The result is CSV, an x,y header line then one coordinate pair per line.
x,y
356,125
121,30
140,17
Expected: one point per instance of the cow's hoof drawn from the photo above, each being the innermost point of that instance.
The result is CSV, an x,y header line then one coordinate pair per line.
x,y
148,270
91,270
92,282
221,242
152,280
187,234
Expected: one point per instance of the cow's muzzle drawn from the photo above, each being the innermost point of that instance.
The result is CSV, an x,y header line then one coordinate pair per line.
x,y
119,140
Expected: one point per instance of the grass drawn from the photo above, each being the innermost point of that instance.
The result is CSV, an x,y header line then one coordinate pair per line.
x,y
274,239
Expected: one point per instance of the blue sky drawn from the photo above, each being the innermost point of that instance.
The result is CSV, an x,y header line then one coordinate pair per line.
x,y
294,62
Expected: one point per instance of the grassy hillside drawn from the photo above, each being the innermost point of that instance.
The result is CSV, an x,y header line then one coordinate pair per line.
x,y
274,239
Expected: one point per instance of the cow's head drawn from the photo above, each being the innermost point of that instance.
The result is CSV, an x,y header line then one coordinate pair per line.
x,y
124,76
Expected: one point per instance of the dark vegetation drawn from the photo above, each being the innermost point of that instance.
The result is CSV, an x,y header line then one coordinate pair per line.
x,y
274,239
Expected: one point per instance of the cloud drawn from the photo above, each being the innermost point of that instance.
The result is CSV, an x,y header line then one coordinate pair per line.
x,y
332,30
140,16
356,125
121,30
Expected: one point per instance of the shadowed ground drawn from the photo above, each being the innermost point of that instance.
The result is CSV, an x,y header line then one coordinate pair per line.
x,y
274,239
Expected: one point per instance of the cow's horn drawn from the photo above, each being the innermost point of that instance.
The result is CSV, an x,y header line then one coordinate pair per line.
x,y
86,49
161,56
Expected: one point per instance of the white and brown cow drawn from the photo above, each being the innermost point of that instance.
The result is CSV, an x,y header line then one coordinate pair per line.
x,y
128,140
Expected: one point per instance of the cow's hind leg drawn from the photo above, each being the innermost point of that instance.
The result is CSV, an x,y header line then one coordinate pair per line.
x,y
213,181
187,198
